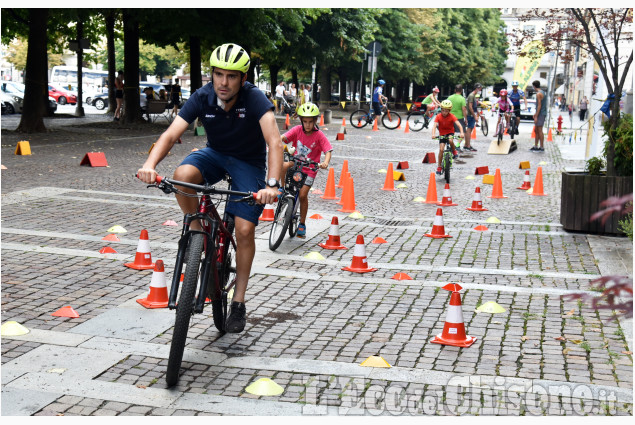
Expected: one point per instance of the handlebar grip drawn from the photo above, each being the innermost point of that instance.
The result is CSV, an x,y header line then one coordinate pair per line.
x,y
158,179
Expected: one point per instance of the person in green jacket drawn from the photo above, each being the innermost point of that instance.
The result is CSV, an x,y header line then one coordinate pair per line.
x,y
459,110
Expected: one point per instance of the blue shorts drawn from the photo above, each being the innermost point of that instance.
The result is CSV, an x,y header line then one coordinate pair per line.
x,y
377,108
245,178
471,122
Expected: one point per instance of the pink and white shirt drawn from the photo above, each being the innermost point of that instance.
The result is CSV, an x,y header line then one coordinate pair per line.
x,y
308,145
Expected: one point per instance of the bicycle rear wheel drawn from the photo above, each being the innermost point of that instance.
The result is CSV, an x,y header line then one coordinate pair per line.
x,y
512,128
484,128
226,265
359,118
280,223
185,308
416,121
391,120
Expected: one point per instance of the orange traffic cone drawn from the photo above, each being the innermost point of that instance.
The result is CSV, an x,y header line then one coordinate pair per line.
x,y
267,213
389,184
454,327
333,242
379,239
473,136
158,297
287,123
345,189
431,196
349,197
107,250
67,311
526,184
538,189
438,229
359,263
143,258
446,201
343,122
533,132
497,192
481,228
375,125
401,276
549,136
111,237
340,184
477,203
329,191
506,133
407,130
321,120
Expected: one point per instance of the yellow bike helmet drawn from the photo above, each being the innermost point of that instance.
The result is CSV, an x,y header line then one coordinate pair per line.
x,y
446,104
309,110
230,56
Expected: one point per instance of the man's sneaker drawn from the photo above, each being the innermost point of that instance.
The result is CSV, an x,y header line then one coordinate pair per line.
x,y
237,318
301,231
439,170
534,148
470,148
455,154
541,149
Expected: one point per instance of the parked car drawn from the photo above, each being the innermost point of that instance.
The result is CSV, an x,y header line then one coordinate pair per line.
x,y
416,105
527,113
155,86
62,96
52,106
12,101
4,107
100,101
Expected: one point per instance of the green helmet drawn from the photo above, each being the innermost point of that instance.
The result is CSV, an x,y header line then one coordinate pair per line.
x,y
446,104
308,110
230,56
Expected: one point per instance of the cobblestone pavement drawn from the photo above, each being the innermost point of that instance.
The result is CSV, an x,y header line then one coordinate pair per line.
x,y
310,324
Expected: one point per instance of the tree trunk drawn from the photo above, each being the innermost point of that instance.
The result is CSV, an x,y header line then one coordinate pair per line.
x,y
110,37
132,109
36,91
196,81
273,74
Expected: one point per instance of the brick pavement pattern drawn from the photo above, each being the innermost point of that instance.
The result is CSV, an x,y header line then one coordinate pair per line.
x,y
309,323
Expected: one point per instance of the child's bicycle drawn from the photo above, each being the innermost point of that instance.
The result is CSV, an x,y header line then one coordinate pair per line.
x,y
448,156
501,126
390,119
418,120
211,263
286,216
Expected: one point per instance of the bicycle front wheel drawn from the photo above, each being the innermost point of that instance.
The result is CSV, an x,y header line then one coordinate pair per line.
x,y
226,266
448,163
295,221
416,121
484,128
280,223
391,120
185,308
359,118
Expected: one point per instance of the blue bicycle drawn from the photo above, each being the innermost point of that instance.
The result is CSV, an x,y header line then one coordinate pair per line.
x,y
287,216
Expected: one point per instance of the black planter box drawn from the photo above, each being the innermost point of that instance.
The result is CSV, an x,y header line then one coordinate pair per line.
x,y
581,196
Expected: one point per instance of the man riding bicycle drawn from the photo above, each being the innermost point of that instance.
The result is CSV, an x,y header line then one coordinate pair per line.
x,y
240,125
378,98
504,107
446,121
515,96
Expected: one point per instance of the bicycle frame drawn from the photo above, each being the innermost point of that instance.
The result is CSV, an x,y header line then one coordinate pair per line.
x,y
211,223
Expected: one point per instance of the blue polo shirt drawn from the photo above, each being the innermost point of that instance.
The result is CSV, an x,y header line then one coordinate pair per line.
x,y
237,132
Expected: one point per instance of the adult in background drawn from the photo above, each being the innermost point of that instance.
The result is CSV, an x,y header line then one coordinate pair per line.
x,y
279,95
459,110
175,97
472,111
515,96
118,94
584,105
539,117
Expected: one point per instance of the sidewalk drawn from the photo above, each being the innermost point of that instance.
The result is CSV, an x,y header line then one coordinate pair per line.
x,y
310,324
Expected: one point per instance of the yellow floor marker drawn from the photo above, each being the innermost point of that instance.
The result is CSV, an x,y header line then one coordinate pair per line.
x,y
419,199
117,229
264,386
314,256
490,307
375,361
402,186
492,220
488,179
23,148
13,328
356,214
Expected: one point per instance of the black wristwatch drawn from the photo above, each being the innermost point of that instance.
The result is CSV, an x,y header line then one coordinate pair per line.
x,y
272,182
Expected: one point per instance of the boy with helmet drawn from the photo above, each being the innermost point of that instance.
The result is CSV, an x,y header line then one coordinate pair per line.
x,y
240,125
504,107
515,96
445,121
378,98
309,142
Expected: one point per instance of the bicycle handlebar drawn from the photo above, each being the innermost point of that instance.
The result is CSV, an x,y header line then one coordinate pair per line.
x,y
167,186
306,161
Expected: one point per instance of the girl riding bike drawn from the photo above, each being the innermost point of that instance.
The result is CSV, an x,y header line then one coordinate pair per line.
x,y
504,106
309,142
445,120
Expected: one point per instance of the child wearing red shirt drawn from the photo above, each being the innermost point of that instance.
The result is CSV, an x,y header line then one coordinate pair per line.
x,y
445,121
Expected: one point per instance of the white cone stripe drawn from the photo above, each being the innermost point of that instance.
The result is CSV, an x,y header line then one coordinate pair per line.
x,y
143,245
526,178
477,196
158,280
455,314
360,251
438,220
335,230
268,206
446,193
